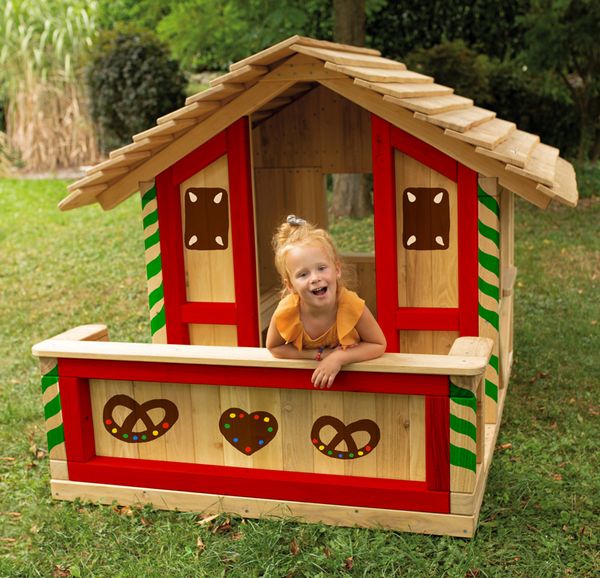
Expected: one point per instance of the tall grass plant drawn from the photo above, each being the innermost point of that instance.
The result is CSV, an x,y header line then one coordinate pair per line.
x,y
41,57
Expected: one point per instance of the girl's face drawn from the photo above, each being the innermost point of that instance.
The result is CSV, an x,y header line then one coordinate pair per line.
x,y
313,275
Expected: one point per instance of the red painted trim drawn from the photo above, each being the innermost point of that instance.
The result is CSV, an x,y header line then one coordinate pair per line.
x,y
404,384
468,261
424,153
384,203
427,318
199,159
258,483
211,313
242,232
171,247
76,406
437,443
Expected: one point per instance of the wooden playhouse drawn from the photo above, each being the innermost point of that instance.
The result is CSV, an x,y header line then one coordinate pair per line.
x,y
204,418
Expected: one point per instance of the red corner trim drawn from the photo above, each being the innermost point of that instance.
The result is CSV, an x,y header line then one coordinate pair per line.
x,y
437,450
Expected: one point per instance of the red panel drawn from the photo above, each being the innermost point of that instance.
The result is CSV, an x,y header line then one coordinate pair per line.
x,y
199,159
252,376
242,231
171,248
211,313
384,203
424,153
427,318
257,483
76,409
468,264
437,444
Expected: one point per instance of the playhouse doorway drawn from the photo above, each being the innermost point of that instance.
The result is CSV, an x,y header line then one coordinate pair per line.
x,y
293,150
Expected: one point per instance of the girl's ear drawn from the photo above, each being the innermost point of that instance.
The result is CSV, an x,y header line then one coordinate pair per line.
x,y
288,285
338,270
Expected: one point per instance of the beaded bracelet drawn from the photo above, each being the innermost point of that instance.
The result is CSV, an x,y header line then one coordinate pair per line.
x,y
318,356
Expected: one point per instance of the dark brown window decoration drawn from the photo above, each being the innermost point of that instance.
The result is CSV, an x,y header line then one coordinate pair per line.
x,y
206,219
426,219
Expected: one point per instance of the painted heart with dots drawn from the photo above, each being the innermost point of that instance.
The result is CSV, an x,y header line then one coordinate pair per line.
x,y
248,432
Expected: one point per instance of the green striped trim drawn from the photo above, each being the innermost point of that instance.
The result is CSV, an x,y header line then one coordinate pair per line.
x,y
491,390
462,426
152,240
155,296
148,196
154,267
495,363
490,316
489,262
48,381
56,436
52,407
463,458
490,202
488,289
463,397
490,233
150,219
158,321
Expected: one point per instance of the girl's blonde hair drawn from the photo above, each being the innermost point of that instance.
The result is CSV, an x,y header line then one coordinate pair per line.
x,y
294,232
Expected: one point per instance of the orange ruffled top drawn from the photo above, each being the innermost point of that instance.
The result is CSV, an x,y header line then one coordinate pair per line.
x,y
343,332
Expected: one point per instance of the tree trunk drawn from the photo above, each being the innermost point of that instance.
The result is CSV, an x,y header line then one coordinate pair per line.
x,y
351,197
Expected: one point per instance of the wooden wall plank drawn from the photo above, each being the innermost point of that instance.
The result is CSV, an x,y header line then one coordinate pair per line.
x,y
327,403
417,437
296,423
179,440
394,450
206,412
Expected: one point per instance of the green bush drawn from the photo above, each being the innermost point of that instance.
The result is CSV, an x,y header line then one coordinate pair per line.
x,y
538,104
132,81
456,65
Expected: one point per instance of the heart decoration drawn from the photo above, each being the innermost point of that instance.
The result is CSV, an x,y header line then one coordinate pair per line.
x,y
248,432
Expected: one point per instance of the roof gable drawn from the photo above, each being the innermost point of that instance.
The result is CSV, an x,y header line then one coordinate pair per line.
x,y
261,84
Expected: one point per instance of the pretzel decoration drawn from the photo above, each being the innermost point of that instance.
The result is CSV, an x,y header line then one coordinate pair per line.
x,y
139,411
344,434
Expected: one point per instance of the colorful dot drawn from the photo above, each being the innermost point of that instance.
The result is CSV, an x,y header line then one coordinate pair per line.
x,y
256,416
269,429
135,438
367,448
360,453
261,442
154,433
350,455
108,422
165,425
227,425
266,419
113,430
315,441
248,450
232,415
236,440
144,437
242,415
329,452
340,456
125,436
321,448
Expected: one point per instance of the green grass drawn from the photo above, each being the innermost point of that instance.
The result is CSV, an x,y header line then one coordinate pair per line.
x,y
540,512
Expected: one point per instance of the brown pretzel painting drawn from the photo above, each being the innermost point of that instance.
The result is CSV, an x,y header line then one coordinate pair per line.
x,y
344,434
139,411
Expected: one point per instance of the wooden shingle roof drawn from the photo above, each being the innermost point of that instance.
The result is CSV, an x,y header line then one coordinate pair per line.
x,y
272,78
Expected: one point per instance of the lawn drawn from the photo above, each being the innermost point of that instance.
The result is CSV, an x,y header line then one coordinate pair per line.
x,y
541,508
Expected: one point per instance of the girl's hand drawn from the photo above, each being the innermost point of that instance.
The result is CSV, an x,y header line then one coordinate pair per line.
x,y
326,371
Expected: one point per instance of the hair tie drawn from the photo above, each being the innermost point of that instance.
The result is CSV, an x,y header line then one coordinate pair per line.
x,y
295,221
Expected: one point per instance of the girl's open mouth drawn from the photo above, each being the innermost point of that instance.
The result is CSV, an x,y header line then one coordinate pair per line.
x,y
320,291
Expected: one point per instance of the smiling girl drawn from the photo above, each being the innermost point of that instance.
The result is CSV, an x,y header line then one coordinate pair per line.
x,y
318,318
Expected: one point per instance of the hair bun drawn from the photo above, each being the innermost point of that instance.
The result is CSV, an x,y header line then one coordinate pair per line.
x,y
295,221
